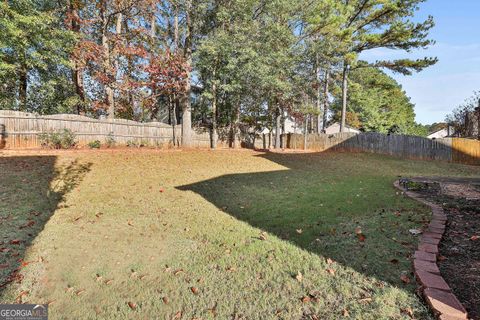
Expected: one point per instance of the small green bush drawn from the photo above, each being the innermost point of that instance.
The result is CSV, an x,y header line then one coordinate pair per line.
x,y
132,144
94,144
110,141
64,139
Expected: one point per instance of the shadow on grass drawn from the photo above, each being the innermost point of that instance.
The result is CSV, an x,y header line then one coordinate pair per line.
x,y
31,188
318,207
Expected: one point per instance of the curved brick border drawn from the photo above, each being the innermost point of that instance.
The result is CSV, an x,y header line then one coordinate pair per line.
x,y
436,291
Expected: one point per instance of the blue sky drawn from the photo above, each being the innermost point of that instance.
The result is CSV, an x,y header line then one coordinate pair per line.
x,y
440,88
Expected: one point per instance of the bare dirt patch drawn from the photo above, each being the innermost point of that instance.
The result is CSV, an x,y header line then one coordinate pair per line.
x,y
459,261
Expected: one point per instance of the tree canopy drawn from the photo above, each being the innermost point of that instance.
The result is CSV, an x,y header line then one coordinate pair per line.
x,y
246,62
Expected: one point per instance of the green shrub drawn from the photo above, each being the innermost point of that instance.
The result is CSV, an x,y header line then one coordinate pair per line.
x,y
132,144
110,141
94,144
64,139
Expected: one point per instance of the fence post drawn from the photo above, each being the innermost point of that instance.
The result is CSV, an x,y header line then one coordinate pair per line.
x,y
2,136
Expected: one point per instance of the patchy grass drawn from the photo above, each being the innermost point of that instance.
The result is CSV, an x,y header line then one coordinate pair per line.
x,y
199,234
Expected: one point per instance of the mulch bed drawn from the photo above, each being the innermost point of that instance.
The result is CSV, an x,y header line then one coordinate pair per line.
x,y
459,259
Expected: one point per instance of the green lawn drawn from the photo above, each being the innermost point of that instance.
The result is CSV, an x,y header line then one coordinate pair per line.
x,y
201,234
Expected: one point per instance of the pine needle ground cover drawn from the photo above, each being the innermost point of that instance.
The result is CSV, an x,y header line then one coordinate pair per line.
x,y
200,235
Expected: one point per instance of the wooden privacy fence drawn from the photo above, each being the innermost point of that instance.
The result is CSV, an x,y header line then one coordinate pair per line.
x,y
457,150
21,130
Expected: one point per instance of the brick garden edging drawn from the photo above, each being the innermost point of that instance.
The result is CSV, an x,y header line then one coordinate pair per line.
x,y
436,291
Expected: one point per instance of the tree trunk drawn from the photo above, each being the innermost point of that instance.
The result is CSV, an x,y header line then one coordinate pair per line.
x,y
109,99
185,99
235,135
305,133
278,124
214,112
77,71
173,118
22,90
319,95
325,100
344,96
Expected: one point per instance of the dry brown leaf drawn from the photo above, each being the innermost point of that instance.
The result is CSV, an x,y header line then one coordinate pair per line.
x,y
19,297
330,261
405,278
79,292
132,305
365,300
177,272
306,299
407,311
345,313
299,276
109,281
194,290
177,315
358,230
361,237
263,236
394,261
474,238
331,271
165,300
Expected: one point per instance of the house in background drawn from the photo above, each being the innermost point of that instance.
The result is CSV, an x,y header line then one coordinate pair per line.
x,y
442,133
335,128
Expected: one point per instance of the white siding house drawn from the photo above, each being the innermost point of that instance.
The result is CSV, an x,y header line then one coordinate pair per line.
x,y
335,128
442,133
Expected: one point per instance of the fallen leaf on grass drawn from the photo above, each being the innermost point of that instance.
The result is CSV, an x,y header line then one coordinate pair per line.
x,y
15,241
405,278
132,305
306,299
177,315
165,300
331,271
299,276
407,311
330,261
358,230
263,236
194,290
474,238
345,313
177,272
394,261
415,231
109,281
365,300
130,223
361,237
299,231
80,292
99,277
28,224
19,297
